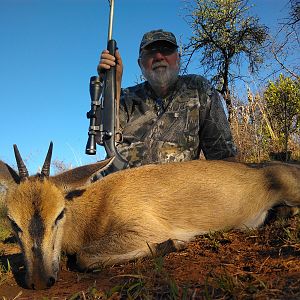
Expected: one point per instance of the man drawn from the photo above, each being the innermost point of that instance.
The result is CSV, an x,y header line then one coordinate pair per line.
x,y
168,117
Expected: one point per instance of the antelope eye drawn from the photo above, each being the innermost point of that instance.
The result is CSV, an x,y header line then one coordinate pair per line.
x,y
60,216
15,226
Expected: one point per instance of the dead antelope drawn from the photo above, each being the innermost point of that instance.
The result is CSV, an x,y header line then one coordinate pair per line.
x,y
132,213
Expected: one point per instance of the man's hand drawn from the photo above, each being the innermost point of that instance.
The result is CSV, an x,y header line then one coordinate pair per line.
x,y
107,61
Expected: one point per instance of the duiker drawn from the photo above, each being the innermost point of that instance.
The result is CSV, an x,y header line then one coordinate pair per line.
x,y
135,212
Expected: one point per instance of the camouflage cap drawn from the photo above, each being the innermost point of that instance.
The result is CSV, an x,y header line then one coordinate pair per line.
x,y
157,35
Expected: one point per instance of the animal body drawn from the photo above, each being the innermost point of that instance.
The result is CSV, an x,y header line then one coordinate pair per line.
x,y
135,212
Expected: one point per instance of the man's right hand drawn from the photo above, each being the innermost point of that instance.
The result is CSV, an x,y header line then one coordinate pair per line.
x,y
107,61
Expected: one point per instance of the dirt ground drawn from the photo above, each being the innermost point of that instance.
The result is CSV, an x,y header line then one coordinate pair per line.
x,y
257,264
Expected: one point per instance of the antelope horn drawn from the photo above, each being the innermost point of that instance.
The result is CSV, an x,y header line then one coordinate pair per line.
x,y
23,173
46,167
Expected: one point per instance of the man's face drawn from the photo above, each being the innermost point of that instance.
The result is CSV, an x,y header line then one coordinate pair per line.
x,y
160,64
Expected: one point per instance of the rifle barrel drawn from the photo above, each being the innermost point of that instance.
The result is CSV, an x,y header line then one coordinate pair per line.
x,y
111,18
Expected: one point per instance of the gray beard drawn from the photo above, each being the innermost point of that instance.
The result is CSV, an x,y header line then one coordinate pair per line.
x,y
161,79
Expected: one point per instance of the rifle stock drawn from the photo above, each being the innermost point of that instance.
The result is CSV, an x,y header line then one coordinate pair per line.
x,y
110,115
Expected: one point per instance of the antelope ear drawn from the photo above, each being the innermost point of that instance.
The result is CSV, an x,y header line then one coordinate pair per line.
x,y
8,178
80,176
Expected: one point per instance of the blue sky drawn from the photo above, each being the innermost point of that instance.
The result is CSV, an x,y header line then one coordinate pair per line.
x,y
50,48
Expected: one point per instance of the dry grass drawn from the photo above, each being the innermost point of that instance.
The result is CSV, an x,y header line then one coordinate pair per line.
x,y
253,134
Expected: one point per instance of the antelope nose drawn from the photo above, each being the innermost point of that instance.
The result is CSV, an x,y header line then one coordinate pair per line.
x,y
50,282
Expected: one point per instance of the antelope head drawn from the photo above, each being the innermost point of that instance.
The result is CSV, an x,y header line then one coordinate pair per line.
x,y
37,213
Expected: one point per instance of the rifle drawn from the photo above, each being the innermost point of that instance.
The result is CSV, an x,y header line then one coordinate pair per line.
x,y
102,129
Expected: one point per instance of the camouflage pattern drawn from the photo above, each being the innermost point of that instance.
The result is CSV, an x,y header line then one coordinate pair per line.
x,y
157,35
193,119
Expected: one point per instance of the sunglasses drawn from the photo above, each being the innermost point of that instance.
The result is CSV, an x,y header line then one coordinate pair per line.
x,y
164,50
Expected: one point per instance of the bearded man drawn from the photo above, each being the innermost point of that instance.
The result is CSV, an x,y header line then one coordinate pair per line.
x,y
168,117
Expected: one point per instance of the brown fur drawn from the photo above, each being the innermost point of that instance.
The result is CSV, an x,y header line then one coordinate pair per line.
x,y
134,212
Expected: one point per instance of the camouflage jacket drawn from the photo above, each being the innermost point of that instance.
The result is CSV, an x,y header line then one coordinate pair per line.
x,y
176,128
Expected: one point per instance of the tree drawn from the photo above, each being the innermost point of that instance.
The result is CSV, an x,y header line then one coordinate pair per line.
x,y
294,18
286,42
226,35
283,105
